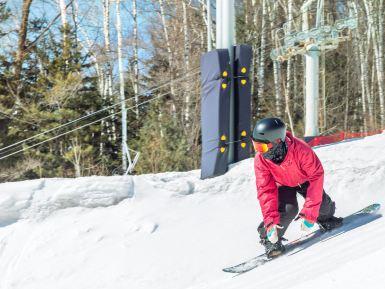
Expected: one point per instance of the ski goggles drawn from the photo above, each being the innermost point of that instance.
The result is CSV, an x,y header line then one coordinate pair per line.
x,y
260,146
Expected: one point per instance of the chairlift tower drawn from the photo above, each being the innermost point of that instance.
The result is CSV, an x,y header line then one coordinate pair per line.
x,y
310,42
225,38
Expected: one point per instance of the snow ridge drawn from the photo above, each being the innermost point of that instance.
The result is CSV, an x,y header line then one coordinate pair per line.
x,y
38,199
175,231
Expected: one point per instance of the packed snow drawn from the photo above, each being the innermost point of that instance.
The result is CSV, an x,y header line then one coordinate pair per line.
x,y
175,231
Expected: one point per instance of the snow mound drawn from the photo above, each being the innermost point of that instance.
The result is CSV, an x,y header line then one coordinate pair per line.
x,y
39,198
175,231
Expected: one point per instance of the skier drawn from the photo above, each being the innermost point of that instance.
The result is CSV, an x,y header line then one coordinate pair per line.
x,y
284,166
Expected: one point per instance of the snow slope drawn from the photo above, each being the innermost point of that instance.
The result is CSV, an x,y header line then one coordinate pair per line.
x,y
174,231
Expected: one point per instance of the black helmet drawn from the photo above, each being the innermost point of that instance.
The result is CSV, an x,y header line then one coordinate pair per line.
x,y
268,130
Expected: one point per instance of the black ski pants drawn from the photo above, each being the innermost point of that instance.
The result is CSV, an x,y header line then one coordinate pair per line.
x,y
288,207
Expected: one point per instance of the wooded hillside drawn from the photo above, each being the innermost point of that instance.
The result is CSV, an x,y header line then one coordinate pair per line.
x,y
70,69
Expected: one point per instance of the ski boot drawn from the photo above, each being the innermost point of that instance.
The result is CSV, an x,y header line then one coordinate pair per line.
x,y
273,250
330,224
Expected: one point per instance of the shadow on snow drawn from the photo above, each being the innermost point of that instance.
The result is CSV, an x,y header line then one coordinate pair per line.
x,y
350,223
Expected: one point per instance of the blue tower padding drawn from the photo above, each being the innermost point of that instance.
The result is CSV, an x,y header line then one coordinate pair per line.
x,y
242,101
215,112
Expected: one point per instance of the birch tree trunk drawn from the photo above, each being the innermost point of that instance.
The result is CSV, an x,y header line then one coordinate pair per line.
x,y
89,47
187,62
261,68
288,70
381,25
255,61
136,57
346,114
107,88
364,88
77,157
63,14
209,25
360,57
98,67
21,46
121,86
170,55
377,33
365,48
107,45
104,125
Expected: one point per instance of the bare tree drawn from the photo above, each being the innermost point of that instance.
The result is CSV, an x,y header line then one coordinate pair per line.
x,y
21,47
261,68
378,45
187,61
74,156
63,14
121,86
363,71
136,57
169,53
108,83
289,69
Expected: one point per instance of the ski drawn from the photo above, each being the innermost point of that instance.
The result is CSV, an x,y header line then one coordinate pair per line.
x,y
350,222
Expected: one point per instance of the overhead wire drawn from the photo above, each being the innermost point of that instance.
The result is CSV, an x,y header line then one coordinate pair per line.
x,y
27,140
10,147
89,115
166,83
75,129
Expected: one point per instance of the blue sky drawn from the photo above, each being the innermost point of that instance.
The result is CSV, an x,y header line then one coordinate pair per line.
x,y
90,17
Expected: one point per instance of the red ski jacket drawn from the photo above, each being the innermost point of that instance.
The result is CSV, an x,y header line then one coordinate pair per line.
x,y
301,164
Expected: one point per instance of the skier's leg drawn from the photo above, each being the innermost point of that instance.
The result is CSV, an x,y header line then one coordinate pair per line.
x,y
327,208
287,207
326,219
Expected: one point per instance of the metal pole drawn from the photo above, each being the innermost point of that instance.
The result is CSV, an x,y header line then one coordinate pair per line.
x,y
312,90
228,25
209,25
228,41
312,75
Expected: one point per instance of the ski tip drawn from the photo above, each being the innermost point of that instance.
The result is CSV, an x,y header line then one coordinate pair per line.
x,y
371,209
229,270
377,205
238,272
374,207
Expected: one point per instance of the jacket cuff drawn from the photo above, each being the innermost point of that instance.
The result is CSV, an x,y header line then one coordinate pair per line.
x,y
271,221
309,215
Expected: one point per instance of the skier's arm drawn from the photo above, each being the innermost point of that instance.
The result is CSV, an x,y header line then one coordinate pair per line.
x,y
267,194
312,167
